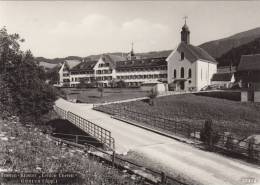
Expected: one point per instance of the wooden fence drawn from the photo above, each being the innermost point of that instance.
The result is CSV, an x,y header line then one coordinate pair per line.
x,y
157,122
101,134
230,144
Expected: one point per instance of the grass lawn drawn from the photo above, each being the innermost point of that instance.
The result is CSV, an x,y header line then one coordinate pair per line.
x,y
92,95
240,118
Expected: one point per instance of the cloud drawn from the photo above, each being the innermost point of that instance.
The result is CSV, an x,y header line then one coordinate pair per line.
x,y
97,33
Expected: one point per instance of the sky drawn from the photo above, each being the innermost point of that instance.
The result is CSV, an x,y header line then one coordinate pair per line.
x,y
81,28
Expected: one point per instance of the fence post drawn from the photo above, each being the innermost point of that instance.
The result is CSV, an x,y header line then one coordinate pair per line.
x,y
113,159
251,143
77,138
163,178
188,130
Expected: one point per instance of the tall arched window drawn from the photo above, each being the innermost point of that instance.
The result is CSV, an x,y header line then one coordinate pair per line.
x,y
174,73
182,55
189,73
182,72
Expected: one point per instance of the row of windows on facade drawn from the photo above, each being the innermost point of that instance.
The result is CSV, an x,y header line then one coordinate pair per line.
x,y
81,72
143,76
76,79
131,84
104,71
119,70
182,73
143,69
131,62
104,65
91,78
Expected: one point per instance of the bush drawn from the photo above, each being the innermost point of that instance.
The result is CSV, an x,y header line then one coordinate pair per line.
x,y
208,135
230,142
229,95
101,90
251,150
152,95
121,84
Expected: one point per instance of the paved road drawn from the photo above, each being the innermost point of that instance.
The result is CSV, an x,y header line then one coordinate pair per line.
x,y
206,167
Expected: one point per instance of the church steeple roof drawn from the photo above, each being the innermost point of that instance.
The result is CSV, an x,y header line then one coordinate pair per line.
x,y
185,26
185,33
131,54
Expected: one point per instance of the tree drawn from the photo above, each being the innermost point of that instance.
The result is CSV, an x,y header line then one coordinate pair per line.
x,y
31,96
208,135
152,95
121,84
82,83
100,89
52,76
113,83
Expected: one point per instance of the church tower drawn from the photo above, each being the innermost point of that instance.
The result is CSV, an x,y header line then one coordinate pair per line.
x,y
185,33
131,55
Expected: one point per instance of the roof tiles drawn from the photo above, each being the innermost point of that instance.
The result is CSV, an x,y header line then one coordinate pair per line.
x,y
249,63
194,53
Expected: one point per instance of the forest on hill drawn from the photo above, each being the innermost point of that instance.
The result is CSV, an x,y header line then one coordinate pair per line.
x,y
233,56
217,48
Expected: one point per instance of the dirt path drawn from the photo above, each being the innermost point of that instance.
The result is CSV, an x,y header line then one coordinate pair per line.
x,y
206,167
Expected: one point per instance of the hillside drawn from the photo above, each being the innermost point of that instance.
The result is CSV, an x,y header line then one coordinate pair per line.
x,y
163,53
233,56
56,60
219,47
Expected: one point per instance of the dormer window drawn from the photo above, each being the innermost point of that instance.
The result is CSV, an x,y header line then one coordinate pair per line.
x,y
182,55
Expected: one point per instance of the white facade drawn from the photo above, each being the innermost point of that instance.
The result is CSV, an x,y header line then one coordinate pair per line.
x,y
64,75
175,65
196,74
105,72
204,72
137,77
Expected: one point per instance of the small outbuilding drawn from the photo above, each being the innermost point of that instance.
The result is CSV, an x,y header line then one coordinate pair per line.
x,y
223,80
249,75
157,86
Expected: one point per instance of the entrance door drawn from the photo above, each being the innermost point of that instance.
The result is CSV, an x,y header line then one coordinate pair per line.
x,y
251,95
182,85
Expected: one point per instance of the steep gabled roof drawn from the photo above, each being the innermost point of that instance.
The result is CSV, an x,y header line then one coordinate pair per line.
x,y
249,63
72,63
87,65
140,63
224,77
112,59
194,53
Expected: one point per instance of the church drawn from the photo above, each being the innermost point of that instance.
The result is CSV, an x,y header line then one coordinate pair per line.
x,y
190,68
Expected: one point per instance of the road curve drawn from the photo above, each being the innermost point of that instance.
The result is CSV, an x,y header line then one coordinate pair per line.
x,y
205,167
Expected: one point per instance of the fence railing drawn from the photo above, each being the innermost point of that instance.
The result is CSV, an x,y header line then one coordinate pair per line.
x,y
120,163
101,134
62,113
225,142
157,122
